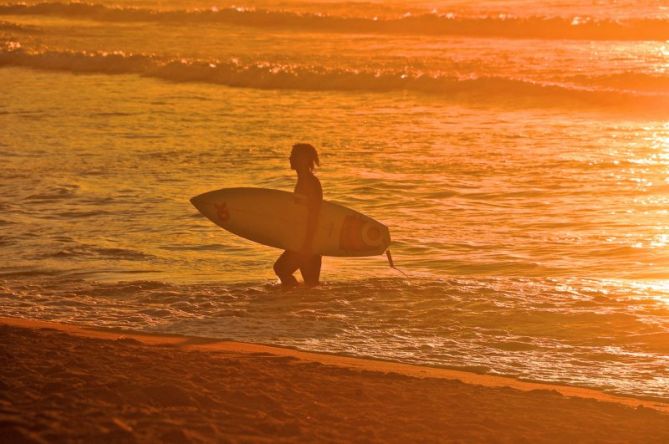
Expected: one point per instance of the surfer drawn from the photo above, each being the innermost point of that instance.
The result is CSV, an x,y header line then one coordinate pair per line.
x,y
303,159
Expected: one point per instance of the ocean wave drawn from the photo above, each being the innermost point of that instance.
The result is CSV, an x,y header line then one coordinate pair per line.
x,y
305,77
638,81
87,252
15,27
501,25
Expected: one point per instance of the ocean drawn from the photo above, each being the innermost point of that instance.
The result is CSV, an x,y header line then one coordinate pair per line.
x,y
518,152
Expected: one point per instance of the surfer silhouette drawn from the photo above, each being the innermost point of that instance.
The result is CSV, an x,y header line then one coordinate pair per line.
x,y
303,159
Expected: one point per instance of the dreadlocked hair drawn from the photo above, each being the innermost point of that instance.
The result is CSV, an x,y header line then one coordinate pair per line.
x,y
307,150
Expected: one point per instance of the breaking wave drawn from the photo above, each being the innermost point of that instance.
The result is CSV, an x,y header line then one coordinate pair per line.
x,y
13,27
629,80
266,75
423,24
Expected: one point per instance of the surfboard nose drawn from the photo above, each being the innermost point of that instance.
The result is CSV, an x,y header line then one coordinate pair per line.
x,y
195,200
199,201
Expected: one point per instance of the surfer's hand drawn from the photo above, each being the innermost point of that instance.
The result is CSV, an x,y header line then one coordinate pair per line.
x,y
306,250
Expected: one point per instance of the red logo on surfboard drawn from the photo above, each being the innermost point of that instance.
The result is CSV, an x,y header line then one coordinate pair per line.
x,y
222,212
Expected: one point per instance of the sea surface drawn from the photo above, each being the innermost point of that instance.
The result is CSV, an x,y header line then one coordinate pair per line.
x,y
518,151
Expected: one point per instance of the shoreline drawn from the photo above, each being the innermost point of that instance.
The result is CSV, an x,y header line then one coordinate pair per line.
x,y
197,343
67,383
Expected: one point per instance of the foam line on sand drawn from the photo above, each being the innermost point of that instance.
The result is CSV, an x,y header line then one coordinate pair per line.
x,y
417,371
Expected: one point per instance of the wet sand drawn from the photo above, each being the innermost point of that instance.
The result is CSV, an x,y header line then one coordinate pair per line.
x,y
66,383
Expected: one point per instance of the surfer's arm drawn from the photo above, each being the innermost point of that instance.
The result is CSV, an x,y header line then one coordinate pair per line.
x,y
314,199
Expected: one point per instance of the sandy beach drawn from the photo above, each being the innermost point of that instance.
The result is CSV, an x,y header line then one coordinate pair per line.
x,y
68,383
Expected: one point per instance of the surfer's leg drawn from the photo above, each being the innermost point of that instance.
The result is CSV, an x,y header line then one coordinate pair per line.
x,y
285,266
311,270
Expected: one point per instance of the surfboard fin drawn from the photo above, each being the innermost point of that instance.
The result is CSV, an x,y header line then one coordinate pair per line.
x,y
392,264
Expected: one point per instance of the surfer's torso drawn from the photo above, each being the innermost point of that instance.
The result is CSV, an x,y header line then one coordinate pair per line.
x,y
309,186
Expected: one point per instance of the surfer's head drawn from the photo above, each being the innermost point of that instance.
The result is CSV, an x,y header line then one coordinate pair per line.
x,y
303,156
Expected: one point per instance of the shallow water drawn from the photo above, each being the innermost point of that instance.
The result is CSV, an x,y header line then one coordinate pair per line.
x,y
524,182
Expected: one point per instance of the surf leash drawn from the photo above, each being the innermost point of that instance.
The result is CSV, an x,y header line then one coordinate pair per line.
x,y
392,264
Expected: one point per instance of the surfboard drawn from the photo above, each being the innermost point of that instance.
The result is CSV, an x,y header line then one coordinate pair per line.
x,y
279,219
